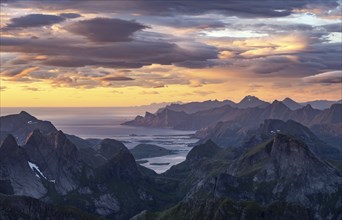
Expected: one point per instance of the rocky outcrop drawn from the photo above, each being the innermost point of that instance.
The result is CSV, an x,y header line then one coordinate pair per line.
x,y
106,204
16,176
57,158
149,150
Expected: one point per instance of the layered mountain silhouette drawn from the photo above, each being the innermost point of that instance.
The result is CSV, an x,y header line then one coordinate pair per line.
x,y
254,161
249,116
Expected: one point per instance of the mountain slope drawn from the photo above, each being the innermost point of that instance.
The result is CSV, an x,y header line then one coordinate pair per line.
x,y
291,104
280,169
16,175
22,124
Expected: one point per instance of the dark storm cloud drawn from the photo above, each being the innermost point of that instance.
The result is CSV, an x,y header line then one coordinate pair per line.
x,y
316,59
133,54
106,29
198,23
70,15
246,8
34,20
196,64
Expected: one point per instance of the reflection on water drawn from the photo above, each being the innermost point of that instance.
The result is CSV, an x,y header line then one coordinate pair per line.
x,y
105,123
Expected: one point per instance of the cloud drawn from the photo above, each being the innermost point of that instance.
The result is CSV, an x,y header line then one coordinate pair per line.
x,y
117,78
33,89
246,8
330,77
133,54
70,15
106,29
34,20
337,27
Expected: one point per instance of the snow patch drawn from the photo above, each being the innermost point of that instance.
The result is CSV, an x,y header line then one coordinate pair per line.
x,y
36,169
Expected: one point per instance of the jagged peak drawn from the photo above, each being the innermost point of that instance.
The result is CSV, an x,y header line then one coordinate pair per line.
x,y
289,99
308,106
34,137
9,143
278,104
147,114
249,98
26,115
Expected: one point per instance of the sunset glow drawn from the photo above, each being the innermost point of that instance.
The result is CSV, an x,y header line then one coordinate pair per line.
x,y
125,54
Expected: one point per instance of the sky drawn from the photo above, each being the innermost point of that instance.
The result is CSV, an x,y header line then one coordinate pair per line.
x,y
129,53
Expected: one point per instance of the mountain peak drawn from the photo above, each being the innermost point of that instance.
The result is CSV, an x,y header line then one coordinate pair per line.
x,y
278,104
308,106
291,104
250,101
249,98
26,116
9,143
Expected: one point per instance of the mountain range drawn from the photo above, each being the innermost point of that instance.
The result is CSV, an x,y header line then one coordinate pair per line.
x,y
258,162
247,102
326,124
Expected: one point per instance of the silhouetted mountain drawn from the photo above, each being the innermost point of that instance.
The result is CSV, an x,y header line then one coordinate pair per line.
x,y
22,124
322,104
251,102
165,118
247,117
193,107
291,104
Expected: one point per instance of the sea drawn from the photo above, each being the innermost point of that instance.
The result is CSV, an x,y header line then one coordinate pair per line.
x,y
105,122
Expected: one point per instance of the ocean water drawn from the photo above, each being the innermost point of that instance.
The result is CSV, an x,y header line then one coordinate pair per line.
x,y
104,122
